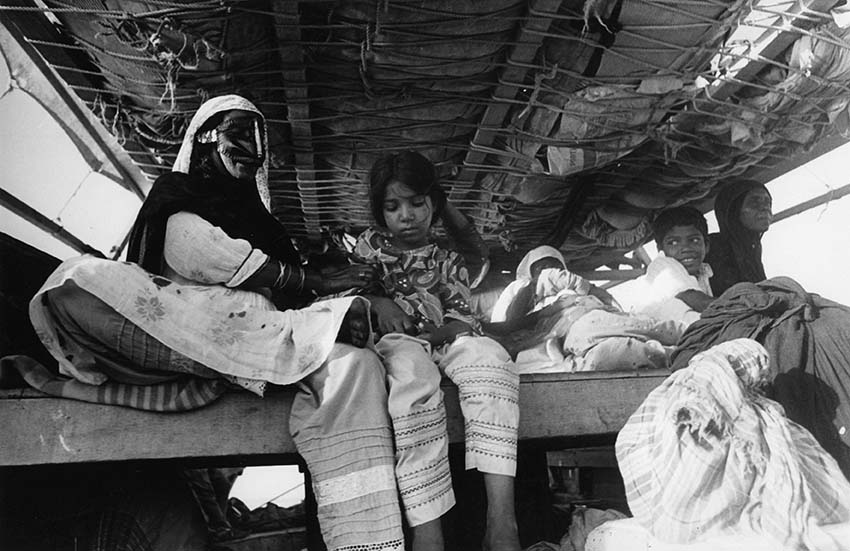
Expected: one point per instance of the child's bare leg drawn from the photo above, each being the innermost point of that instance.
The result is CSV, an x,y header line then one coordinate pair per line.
x,y
428,536
501,533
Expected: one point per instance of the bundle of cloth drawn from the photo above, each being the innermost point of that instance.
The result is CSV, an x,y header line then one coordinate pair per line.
x,y
707,458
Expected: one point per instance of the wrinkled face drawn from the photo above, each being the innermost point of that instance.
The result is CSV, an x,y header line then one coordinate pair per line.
x,y
756,210
240,148
408,215
544,264
687,245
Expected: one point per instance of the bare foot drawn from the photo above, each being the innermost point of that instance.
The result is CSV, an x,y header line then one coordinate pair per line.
x,y
355,325
501,537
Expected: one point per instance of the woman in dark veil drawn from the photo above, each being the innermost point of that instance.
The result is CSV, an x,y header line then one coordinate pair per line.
x,y
194,301
743,211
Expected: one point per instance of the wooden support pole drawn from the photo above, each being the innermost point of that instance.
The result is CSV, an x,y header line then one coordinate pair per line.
x,y
831,195
37,78
39,220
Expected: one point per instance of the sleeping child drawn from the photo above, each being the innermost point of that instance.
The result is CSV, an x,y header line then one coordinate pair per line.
x,y
589,332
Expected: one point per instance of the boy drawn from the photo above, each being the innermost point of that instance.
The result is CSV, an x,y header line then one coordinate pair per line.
x,y
676,283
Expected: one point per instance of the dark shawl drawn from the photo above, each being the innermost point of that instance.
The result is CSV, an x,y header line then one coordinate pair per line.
x,y
808,340
735,252
232,205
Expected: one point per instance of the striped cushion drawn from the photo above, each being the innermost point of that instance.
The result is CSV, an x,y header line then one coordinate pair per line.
x,y
183,393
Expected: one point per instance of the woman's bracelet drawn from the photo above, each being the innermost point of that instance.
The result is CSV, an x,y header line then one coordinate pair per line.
x,y
300,287
285,279
278,282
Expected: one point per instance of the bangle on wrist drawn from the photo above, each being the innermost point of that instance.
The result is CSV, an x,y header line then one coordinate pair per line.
x,y
290,278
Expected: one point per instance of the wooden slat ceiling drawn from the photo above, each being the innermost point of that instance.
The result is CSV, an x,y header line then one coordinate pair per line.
x,y
565,122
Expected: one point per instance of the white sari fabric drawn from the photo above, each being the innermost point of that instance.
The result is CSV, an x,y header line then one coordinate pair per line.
x,y
231,331
705,455
339,417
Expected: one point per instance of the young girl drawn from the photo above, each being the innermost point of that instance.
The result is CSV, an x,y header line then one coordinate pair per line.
x,y
426,328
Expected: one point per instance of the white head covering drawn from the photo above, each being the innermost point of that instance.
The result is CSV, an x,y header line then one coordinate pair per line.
x,y
523,270
207,110
523,278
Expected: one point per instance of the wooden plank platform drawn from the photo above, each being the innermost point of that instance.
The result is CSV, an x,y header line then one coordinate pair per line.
x,y
39,430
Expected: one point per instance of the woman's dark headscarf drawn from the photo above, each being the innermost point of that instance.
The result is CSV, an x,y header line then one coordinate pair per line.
x,y
735,252
196,185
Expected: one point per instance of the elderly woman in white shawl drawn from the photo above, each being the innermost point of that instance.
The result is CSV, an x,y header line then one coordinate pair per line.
x,y
206,257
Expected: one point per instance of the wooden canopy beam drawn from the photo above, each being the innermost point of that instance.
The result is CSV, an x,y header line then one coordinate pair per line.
x,y
294,75
528,42
824,146
98,148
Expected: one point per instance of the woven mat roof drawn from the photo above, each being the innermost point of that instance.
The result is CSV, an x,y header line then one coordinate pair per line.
x,y
562,122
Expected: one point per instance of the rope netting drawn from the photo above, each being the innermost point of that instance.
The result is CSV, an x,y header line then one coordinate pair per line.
x,y
563,122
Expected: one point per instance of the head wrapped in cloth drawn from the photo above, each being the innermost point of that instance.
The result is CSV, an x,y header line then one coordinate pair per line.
x,y
523,270
200,132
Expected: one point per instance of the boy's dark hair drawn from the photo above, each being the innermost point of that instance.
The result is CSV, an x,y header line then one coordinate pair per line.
x,y
678,216
411,169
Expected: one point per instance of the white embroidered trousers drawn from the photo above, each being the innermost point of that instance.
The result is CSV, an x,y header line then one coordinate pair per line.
x,y
488,388
342,430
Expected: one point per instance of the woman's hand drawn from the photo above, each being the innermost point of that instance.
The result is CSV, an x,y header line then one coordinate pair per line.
x,y
390,318
354,276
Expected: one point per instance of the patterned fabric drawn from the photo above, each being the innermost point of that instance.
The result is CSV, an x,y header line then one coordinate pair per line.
x,y
488,388
419,426
705,455
231,331
429,283
182,394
